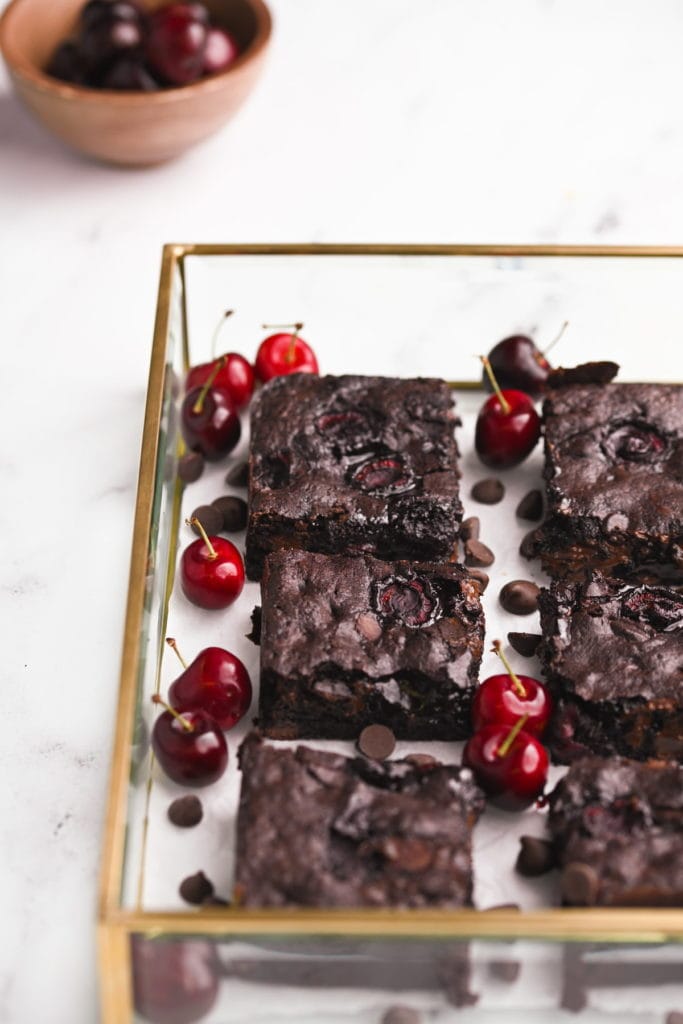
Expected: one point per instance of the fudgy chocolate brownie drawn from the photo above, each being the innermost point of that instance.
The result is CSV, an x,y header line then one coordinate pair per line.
x,y
320,830
614,480
350,464
617,828
349,642
613,654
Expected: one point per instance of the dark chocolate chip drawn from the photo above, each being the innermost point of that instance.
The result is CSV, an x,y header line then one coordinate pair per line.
x,y
186,811
489,491
210,518
376,742
238,475
579,884
477,553
255,635
469,528
196,889
401,1015
190,467
423,760
531,506
233,511
480,577
529,545
535,857
525,644
505,970
519,597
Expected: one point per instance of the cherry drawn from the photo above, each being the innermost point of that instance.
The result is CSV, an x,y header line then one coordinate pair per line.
x,y
519,364
129,74
221,51
175,981
507,428
635,442
211,570
176,43
208,419
654,606
504,698
411,601
235,375
68,64
190,747
510,765
383,474
282,354
105,39
216,681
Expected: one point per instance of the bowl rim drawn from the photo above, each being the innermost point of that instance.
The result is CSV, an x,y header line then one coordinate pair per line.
x,y
23,68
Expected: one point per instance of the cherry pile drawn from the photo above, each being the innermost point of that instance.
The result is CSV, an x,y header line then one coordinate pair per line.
x,y
118,44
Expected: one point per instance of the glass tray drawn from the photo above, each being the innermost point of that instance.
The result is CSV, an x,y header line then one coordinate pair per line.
x,y
402,311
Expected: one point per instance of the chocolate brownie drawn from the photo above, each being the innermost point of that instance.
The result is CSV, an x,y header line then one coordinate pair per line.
x,y
613,654
617,827
350,642
350,464
317,829
614,480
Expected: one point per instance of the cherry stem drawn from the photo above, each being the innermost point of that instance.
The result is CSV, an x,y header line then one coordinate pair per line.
x,y
217,330
156,699
201,397
504,748
205,537
557,337
174,647
516,681
504,404
289,354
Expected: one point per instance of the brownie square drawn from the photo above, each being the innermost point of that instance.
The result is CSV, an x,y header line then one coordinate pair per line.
x,y
317,829
617,827
349,642
351,464
613,654
614,480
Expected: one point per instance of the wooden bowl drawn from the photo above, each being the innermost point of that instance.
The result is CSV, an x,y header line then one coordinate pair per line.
x,y
134,128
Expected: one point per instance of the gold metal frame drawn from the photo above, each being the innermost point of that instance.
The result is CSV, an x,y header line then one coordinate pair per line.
x,y
115,924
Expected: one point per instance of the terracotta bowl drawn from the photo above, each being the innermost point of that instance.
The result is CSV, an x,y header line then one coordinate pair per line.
x,y
134,128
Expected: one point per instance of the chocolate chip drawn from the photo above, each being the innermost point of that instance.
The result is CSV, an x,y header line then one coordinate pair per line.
x,y
423,760
529,546
411,855
519,597
477,553
505,970
531,506
489,491
479,577
469,528
536,857
186,811
525,644
376,742
210,518
233,511
190,467
579,884
238,475
196,888
401,1015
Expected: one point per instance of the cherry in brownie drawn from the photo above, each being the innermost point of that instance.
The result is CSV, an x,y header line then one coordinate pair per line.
x,y
614,479
351,464
317,829
349,642
613,654
617,829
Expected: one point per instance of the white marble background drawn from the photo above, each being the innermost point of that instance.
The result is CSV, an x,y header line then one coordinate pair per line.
x,y
376,120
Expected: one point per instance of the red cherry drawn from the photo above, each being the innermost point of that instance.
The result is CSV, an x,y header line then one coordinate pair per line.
x,y
282,354
221,51
507,428
510,765
519,364
211,571
235,375
208,419
216,681
190,747
175,981
503,699
176,42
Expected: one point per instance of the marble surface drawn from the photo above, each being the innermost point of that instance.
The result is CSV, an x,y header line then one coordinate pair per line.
x,y
538,121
